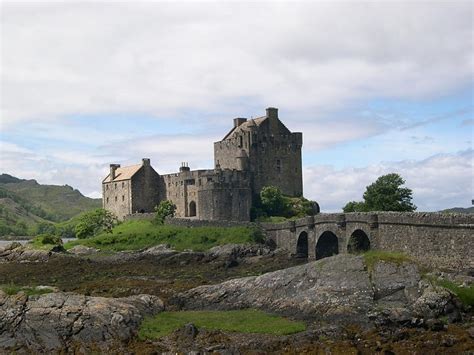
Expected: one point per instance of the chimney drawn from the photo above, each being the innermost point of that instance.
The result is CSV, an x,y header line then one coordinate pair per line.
x,y
184,167
272,112
113,168
146,162
238,121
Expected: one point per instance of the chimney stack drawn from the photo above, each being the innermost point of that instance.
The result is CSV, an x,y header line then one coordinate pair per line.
x,y
238,121
146,162
113,168
272,112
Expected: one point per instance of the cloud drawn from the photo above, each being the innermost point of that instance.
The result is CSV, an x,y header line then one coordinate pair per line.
x,y
168,58
439,182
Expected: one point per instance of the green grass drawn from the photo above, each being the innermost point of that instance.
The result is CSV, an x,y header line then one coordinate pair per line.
x,y
373,256
465,294
12,289
242,321
136,235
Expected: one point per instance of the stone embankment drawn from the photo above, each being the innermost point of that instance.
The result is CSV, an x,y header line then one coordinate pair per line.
x,y
339,289
66,322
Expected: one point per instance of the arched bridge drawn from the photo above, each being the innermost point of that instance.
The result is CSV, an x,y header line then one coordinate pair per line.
x,y
446,239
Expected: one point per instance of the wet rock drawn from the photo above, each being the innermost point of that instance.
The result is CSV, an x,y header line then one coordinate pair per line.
x,y
339,288
239,250
66,321
83,250
159,250
22,253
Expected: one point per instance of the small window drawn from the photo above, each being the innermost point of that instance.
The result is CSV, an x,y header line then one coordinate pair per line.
x,y
116,185
107,200
115,198
107,186
240,141
278,166
123,198
123,185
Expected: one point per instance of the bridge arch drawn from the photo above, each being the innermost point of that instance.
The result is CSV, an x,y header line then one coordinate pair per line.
x,y
302,245
327,245
358,242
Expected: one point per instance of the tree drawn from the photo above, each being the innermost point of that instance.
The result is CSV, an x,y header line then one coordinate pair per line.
x,y
273,201
164,209
93,222
385,194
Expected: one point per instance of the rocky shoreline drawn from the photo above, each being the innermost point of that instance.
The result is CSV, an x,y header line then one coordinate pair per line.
x,y
348,305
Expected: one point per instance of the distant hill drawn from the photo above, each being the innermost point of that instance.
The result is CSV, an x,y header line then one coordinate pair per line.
x,y
459,210
25,203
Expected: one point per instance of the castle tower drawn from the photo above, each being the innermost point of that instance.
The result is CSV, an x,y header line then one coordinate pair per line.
x,y
267,149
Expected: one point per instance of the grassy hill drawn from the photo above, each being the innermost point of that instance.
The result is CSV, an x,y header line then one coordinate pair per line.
x,y
459,210
25,203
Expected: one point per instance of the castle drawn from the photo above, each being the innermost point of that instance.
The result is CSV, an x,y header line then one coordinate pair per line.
x,y
255,153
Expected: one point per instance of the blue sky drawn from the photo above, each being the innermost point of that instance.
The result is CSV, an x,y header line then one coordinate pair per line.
x,y
374,87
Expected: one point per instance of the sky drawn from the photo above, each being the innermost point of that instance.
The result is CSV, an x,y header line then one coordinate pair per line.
x,y
375,87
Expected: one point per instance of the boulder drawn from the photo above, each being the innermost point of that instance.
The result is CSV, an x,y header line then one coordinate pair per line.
x,y
339,288
70,322
83,250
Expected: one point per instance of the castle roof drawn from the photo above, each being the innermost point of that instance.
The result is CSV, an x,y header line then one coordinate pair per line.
x,y
124,173
246,125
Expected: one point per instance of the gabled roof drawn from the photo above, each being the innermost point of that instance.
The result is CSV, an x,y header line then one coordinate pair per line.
x,y
124,173
246,125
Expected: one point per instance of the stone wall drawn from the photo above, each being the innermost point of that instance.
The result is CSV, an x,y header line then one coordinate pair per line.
x,y
188,222
116,197
434,238
145,190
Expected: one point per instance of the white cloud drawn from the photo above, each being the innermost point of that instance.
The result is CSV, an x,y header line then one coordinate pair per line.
x,y
165,57
439,182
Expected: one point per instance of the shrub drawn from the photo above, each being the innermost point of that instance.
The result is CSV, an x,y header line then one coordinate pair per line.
x,y
95,222
164,209
44,239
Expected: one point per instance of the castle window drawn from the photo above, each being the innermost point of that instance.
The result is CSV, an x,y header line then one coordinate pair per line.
x,y
123,185
123,198
278,166
107,200
115,185
115,198
241,141
107,187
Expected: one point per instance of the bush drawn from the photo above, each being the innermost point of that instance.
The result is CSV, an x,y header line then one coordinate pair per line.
x,y
45,239
95,222
164,209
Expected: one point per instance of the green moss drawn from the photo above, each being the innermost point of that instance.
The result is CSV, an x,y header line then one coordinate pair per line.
x,y
12,289
371,257
136,235
465,294
242,321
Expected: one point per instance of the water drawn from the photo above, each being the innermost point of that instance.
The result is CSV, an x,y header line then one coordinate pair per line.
x,y
5,242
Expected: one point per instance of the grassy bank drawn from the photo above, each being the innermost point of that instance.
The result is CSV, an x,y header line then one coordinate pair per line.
x,y
371,257
136,235
12,289
465,294
242,321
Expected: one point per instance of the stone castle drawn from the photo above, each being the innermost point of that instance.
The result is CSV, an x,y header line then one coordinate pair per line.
x,y
255,153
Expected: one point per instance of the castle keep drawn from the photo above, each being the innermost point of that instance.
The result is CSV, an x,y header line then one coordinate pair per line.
x,y
255,153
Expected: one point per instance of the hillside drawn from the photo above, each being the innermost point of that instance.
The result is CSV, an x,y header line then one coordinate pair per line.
x,y
459,210
25,203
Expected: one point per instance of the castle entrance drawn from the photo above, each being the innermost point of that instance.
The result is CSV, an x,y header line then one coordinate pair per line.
x,y
327,245
302,245
192,209
358,242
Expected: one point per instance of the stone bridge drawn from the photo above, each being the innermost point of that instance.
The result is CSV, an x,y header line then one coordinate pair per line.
x,y
435,238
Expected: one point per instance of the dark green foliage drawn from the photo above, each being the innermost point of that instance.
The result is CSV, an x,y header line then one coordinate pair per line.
x,y
465,293
164,209
94,222
45,239
272,203
385,194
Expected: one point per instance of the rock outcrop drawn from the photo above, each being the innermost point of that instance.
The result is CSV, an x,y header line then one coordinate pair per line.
x,y
20,253
62,322
340,288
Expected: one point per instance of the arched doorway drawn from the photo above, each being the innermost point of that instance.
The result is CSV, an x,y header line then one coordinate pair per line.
x,y
358,242
192,209
302,245
327,245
